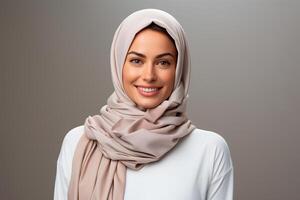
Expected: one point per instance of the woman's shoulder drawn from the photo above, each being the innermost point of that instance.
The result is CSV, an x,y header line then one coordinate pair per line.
x,y
73,135
209,145
211,150
207,139
69,144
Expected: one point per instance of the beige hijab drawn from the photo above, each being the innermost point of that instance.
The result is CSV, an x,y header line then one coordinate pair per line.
x,y
122,135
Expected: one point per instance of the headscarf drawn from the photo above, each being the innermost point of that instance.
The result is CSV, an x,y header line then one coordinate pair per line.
x,y
124,136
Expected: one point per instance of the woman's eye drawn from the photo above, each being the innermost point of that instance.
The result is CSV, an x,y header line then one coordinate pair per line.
x,y
164,62
135,61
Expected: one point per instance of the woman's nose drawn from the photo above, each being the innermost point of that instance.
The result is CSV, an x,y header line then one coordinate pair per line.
x,y
149,74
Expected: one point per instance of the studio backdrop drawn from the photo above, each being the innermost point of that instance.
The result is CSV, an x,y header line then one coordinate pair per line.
x,y
54,59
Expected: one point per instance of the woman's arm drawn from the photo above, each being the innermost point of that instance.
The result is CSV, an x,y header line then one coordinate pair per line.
x,y
64,163
221,188
61,181
221,184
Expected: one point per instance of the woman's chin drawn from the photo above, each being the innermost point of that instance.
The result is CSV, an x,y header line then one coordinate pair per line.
x,y
147,105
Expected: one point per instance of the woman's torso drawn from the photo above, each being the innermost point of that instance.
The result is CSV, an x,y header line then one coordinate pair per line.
x,y
186,172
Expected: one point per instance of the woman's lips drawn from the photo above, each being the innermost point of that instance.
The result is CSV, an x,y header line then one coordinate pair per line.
x,y
148,91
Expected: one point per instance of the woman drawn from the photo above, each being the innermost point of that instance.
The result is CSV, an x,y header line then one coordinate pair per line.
x,y
142,145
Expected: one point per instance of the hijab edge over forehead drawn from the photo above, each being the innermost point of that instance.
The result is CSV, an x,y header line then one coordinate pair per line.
x,y
125,35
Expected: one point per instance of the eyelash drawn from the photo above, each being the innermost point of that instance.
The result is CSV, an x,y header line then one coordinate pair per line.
x,y
137,61
134,61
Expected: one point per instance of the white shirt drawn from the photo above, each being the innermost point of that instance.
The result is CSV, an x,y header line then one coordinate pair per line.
x,y
198,168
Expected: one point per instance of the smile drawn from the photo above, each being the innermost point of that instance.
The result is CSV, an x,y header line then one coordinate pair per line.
x,y
148,91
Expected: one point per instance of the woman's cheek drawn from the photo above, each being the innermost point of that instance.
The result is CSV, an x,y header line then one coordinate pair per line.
x,y
130,73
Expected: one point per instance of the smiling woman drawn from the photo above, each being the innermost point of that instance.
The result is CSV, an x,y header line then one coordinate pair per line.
x,y
149,69
142,145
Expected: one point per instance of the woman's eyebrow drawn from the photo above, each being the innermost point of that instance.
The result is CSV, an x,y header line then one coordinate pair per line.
x,y
158,56
165,54
136,53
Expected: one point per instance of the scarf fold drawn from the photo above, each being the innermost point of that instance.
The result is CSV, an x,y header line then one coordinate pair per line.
x,y
123,136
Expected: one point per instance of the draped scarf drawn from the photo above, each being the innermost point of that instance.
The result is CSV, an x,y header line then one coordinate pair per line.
x,y
123,135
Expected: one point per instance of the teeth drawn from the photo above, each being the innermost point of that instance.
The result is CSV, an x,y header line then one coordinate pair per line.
x,y
149,89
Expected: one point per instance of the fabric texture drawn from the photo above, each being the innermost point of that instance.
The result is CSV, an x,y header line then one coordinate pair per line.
x,y
124,136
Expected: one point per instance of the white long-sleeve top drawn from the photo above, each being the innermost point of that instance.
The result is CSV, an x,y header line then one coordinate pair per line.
x,y
198,168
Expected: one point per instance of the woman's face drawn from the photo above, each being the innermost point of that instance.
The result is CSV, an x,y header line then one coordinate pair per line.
x,y
149,68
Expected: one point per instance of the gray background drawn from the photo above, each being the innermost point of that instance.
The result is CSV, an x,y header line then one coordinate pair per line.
x,y
245,84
